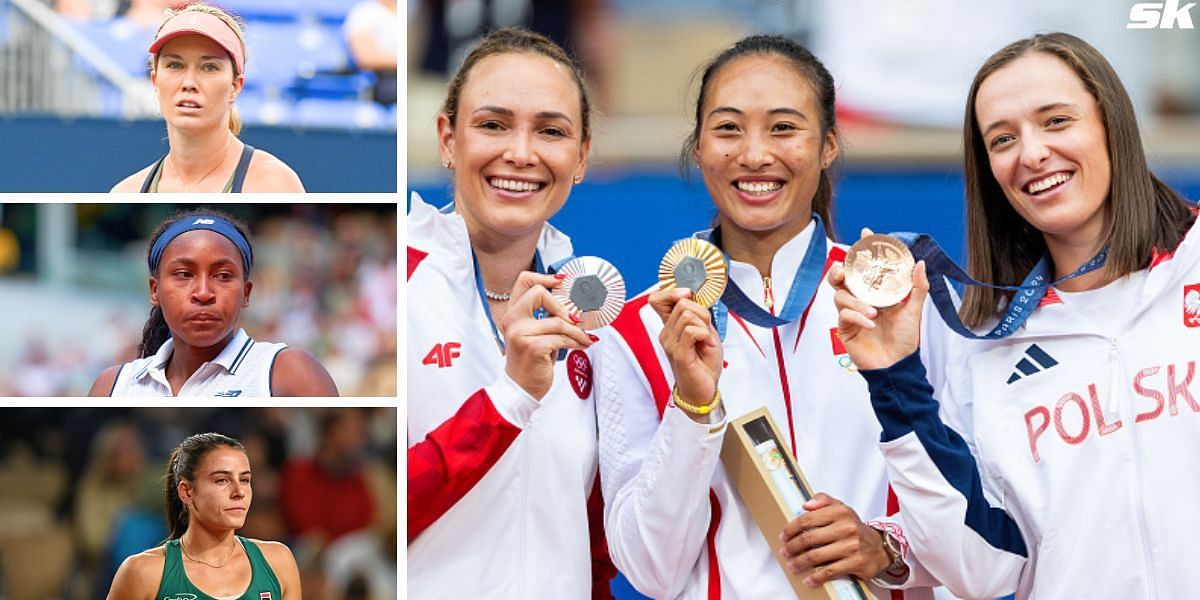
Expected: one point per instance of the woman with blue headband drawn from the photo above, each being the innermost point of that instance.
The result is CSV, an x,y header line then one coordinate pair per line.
x,y
200,265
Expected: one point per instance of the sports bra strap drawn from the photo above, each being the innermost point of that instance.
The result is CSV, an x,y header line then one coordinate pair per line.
x,y
239,174
152,176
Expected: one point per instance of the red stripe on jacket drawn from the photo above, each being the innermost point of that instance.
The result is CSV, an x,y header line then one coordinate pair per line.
x,y
451,459
603,569
633,331
414,258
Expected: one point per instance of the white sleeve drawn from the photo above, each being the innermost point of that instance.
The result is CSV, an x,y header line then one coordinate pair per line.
x,y
955,525
656,476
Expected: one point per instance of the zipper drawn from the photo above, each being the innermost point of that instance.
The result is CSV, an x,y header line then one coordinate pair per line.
x,y
768,295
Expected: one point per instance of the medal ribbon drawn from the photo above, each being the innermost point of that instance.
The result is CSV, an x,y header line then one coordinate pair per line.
x,y
804,285
1029,294
539,267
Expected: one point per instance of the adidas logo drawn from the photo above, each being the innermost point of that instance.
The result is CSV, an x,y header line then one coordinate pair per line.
x,y
1035,361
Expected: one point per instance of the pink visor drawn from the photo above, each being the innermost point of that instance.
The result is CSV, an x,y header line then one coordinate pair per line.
x,y
204,24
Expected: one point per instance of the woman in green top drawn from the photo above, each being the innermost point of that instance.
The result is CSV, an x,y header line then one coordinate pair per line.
x,y
208,495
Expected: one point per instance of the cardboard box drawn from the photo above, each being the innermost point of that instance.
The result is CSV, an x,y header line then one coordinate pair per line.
x,y
772,487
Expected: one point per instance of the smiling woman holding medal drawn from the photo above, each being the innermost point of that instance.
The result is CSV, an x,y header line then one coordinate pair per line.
x,y
197,67
671,376
1056,461
208,495
501,421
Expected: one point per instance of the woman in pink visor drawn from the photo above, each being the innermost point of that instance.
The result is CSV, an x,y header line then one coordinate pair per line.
x,y
198,70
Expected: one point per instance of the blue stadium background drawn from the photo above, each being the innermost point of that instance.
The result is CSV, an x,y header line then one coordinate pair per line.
x,y
304,100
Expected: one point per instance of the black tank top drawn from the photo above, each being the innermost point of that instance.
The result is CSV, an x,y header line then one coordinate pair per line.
x,y
234,185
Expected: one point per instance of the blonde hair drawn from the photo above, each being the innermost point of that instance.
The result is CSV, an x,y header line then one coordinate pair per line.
x,y
234,23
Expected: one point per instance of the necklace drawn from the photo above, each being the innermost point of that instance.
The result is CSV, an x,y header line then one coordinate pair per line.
x,y
224,157
232,549
497,296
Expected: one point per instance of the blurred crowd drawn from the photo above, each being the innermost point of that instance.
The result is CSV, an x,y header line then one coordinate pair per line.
x,y
324,280
81,489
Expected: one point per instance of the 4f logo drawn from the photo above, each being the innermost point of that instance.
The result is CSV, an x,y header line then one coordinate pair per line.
x,y
1161,15
442,355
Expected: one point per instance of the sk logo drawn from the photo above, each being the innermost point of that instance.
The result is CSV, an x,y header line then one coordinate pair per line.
x,y
1191,305
1161,15
579,373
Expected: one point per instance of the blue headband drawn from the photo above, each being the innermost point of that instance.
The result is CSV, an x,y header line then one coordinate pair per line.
x,y
210,223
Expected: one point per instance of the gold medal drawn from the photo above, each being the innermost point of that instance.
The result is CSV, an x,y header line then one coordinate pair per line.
x,y
592,290
879,270
696,265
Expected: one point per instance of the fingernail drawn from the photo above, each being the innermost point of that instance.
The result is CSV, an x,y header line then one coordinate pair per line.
x,y
593,338
809,582
560,275
575,319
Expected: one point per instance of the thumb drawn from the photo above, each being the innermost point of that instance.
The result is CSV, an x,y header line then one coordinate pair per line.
x,y
920,285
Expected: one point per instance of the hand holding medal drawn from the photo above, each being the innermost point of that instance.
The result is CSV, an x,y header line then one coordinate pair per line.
x,y
691,279
876,325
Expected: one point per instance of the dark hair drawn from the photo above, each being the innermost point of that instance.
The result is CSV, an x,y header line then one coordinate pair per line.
x,y
182,464
155,332
516,39
1145,213
813,71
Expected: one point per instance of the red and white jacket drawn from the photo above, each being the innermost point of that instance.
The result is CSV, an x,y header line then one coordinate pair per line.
x,y
676,527
1063,463
500,486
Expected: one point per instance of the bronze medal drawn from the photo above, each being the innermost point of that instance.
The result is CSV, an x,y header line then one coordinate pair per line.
x,y
879,270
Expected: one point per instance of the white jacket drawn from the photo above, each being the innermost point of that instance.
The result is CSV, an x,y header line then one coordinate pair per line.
x,y
498,482
676,528
1076,473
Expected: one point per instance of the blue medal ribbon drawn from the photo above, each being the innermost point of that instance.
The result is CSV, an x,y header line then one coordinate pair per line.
x,y
1027,296
538,266
804,286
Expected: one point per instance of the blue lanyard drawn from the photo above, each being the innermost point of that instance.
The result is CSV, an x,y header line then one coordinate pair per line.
x,y
1029,294
487,310
804,285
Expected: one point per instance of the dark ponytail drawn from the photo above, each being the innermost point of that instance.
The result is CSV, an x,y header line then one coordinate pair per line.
x,y
182,465
155,332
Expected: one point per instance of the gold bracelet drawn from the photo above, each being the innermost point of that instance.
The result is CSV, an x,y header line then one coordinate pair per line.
x,y
692,408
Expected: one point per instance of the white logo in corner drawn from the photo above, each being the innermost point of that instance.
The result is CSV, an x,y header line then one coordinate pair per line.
x,y
1160,15
203,221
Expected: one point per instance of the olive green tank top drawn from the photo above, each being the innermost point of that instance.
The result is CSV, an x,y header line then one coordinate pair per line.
x,y
175,584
